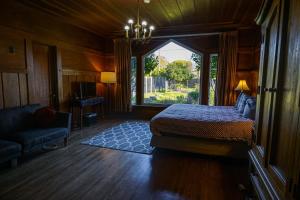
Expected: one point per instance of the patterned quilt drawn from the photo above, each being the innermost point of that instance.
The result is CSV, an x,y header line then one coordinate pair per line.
x,y
216,122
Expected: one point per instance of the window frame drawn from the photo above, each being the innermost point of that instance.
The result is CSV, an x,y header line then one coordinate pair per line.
x,y
143,72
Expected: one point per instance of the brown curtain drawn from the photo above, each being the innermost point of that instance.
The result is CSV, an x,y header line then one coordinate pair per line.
x,y
227,64
122,53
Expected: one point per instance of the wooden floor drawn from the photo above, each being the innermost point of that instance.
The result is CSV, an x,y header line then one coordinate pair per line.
x,y
86,172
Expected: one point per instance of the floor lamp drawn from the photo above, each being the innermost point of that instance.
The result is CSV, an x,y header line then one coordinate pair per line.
x,y
108,78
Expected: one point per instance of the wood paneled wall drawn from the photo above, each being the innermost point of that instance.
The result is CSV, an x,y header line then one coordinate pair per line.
x,y
13,89
81,55
248,58
81,65
13,72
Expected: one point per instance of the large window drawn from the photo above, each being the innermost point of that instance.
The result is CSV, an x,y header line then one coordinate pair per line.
x,y
213,64
172,75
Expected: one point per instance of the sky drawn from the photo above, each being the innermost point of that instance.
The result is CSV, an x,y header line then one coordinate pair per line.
x,y
172,52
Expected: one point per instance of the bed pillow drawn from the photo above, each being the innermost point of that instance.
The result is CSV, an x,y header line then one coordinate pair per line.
x,y
238,100
250,108
242,103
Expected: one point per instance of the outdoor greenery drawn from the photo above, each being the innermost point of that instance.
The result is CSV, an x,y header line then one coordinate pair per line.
x,y
133,80
182,85
178,71
174,82
198,60
212,79
151,62
179,75
186,95
193,97
213,66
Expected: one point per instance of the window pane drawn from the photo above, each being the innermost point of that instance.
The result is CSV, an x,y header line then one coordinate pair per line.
x,y
212,79
133,80
172,75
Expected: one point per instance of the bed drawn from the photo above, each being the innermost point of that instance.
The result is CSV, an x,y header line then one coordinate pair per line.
x,y
212,130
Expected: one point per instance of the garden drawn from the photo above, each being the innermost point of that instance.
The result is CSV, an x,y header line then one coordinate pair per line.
x,y
175,82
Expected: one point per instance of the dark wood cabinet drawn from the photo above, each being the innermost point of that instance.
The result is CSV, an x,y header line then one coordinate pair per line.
x,y
274,159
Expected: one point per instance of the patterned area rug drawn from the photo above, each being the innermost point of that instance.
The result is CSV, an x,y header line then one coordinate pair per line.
x,y
131,136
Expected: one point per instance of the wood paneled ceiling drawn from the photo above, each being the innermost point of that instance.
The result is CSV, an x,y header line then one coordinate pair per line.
x,y
107,17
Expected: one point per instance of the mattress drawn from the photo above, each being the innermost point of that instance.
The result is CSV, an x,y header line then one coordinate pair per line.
x,y
201,121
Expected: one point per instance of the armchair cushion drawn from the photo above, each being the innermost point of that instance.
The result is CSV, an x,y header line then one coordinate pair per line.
x,y
16,119
9,150
34,137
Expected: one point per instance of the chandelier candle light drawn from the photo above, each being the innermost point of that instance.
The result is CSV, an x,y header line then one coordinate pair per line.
x,y
140,30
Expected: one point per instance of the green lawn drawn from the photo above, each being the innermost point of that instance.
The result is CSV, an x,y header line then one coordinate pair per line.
x,y
171,96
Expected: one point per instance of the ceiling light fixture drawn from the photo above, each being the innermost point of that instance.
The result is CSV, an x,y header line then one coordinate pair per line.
x,y
140,30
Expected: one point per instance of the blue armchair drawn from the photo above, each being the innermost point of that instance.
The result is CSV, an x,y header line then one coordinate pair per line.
x,y
18,125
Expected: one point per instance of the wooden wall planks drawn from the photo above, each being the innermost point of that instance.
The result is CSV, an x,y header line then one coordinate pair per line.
x,y
80,54
23,89
12,52
71,77
75,63
1,93
11,90
82,59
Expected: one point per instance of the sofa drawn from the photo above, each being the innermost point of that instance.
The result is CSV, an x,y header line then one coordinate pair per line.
x,y
9,151
21,133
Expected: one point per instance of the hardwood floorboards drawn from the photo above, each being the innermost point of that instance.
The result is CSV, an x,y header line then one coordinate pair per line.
x,y
86,172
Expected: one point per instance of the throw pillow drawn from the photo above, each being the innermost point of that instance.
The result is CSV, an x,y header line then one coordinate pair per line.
x,y
238,100
242,103
250,108
44,117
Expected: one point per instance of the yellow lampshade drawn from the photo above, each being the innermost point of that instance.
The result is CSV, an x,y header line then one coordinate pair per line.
x,y
108,77
242,86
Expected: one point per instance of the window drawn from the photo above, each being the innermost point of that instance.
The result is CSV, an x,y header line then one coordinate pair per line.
x,y
133,80
213,65
172,75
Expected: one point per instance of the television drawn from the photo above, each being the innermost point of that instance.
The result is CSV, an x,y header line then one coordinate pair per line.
x,y
85,90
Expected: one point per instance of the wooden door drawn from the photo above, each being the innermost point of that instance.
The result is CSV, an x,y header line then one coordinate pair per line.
x,y
283,149
278,84
44,76
270,32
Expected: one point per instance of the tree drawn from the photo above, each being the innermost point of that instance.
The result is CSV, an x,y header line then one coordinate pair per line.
x,y
198,60
213,77
151,62
133,80
213,66
178,71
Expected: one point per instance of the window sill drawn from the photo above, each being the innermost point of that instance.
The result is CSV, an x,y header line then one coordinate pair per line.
x,y
151,106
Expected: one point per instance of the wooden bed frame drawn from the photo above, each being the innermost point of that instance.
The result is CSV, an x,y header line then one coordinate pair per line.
x,y
234,149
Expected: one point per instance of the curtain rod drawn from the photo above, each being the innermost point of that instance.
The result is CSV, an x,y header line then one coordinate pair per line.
x,y
184,35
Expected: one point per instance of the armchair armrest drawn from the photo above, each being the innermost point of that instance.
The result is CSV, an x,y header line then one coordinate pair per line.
x,y
63,119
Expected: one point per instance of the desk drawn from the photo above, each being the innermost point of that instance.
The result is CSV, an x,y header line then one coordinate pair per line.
x,y
82,103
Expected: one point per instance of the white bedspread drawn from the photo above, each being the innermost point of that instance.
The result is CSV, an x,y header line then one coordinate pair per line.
x,y
217,122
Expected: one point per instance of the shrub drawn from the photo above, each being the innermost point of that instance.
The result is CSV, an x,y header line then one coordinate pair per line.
x,y
193,96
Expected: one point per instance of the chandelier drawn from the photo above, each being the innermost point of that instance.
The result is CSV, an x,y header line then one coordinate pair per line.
x,y
140,30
